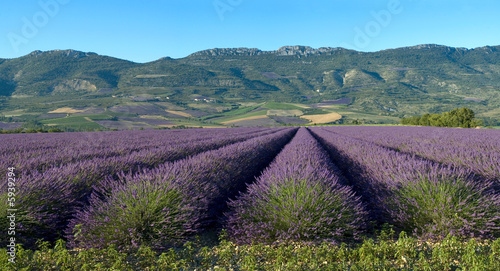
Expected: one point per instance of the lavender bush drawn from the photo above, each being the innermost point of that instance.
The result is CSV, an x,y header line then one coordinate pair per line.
x,y
456,206
148,212
299,197
40,206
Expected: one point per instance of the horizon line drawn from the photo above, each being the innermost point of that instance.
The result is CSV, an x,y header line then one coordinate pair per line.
x,y
260,50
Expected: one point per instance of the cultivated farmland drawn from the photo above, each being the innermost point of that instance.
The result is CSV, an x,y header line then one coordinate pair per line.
x,y
272,187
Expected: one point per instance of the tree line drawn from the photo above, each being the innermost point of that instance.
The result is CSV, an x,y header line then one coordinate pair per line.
x,y
458,117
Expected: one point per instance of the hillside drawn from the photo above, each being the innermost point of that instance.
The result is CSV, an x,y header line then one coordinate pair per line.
x,y
217,87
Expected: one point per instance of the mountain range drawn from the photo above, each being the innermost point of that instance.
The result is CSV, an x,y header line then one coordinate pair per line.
x,y
388,84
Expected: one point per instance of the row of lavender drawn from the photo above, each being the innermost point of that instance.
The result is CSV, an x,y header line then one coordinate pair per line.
x,y
38,152
477,150
48,198
162,206
414,194
323,185
300,196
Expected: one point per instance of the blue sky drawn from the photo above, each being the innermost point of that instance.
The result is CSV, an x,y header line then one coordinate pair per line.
x,y
145,30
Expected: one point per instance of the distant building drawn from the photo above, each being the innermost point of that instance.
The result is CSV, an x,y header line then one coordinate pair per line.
x,y
203,99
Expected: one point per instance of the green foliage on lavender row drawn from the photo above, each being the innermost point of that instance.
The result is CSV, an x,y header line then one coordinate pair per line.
x,y
384,253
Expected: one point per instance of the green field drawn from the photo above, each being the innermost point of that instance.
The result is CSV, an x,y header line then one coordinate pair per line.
x,y
196,123
235,112
366,118
351,114
315,111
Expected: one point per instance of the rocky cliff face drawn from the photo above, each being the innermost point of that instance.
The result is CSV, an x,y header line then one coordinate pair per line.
x,y
229,52
74,85
308,51
283,51
304,51
66,53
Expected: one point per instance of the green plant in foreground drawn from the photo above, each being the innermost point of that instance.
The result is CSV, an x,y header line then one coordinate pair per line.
x,y
405,253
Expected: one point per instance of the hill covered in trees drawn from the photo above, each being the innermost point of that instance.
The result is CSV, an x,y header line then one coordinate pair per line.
x,y
390,84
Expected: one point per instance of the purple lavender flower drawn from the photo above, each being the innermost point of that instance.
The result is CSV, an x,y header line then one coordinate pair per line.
x,y
299,197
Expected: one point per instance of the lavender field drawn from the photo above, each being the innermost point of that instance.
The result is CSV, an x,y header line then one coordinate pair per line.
x,y
259,185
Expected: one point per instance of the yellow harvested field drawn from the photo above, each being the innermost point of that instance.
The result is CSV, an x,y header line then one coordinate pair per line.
x,y
14,113
179,113
321,119
67,110
248,118
332,106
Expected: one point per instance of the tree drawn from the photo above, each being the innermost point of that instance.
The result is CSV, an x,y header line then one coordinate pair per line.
x,y
436,120
425,120
458,117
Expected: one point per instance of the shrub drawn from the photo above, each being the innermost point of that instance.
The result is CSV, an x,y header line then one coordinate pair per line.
x,y
436,208
40,200
140,213
297,198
